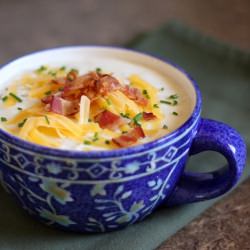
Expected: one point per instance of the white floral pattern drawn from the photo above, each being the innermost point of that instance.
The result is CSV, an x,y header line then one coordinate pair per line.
x,y
86,195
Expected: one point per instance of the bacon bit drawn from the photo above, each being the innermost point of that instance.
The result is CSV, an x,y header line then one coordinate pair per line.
x,y
63,107
92,85
109,120
135,95
130,138
60,81
107,84
47,99
138,132
148,116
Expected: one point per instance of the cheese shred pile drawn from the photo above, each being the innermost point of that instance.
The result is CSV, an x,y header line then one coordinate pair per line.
x,y
59,113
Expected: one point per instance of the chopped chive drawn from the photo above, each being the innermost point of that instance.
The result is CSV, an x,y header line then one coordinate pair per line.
x,y
70,77
126,115
137,118
22,123
174,113
41,69
89,120
5,98
165,102
62,68
52,73
19,108
124,132
74,70
48,92
15,97
161,89
175,102
165,126
72,74
145,93
156,106
107,142
46,119
175,96
98,70
3,119
108,102
86,142
95,137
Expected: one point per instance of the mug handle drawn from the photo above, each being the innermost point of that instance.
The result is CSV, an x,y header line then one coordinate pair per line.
x,y
213,136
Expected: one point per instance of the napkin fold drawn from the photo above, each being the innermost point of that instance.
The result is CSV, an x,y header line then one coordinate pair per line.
x,y
223,74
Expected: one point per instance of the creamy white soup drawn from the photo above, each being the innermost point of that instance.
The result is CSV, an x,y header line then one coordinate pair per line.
x,y
99,104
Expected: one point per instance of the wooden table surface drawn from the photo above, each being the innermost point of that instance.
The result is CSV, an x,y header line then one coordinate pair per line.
x,y
30,25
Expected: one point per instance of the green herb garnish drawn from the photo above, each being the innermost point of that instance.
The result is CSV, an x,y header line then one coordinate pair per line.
x,y
72,74
107,142
175,96
125,115
174,113
145,93
175,102
95,138
3,119
41,69
161,89
171,100
70,77
46,119
156,106
89,120
165,126
48,92
63,68
52,73
86,142
124,132
108,102
19,108
98,70
15,97
74,70
20,125
137,118
165,102
5,98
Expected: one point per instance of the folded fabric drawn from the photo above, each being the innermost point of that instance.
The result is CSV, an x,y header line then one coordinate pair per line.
x,y
223,75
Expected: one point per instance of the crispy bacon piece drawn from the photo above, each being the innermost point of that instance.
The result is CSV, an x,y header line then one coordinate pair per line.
x,y
92,85
60,106
135,95
108,84
47,99
73,90
148,116
109,120
130,138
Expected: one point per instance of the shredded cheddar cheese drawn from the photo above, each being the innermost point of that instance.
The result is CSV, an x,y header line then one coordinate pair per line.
x,y
84,109
55,114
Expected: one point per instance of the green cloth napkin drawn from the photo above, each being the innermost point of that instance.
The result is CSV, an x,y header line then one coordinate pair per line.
x,y
224,78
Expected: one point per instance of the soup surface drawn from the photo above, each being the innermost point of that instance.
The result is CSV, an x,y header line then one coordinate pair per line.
x,y
99,106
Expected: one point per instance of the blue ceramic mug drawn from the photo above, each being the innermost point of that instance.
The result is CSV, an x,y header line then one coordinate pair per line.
x,y
102,191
